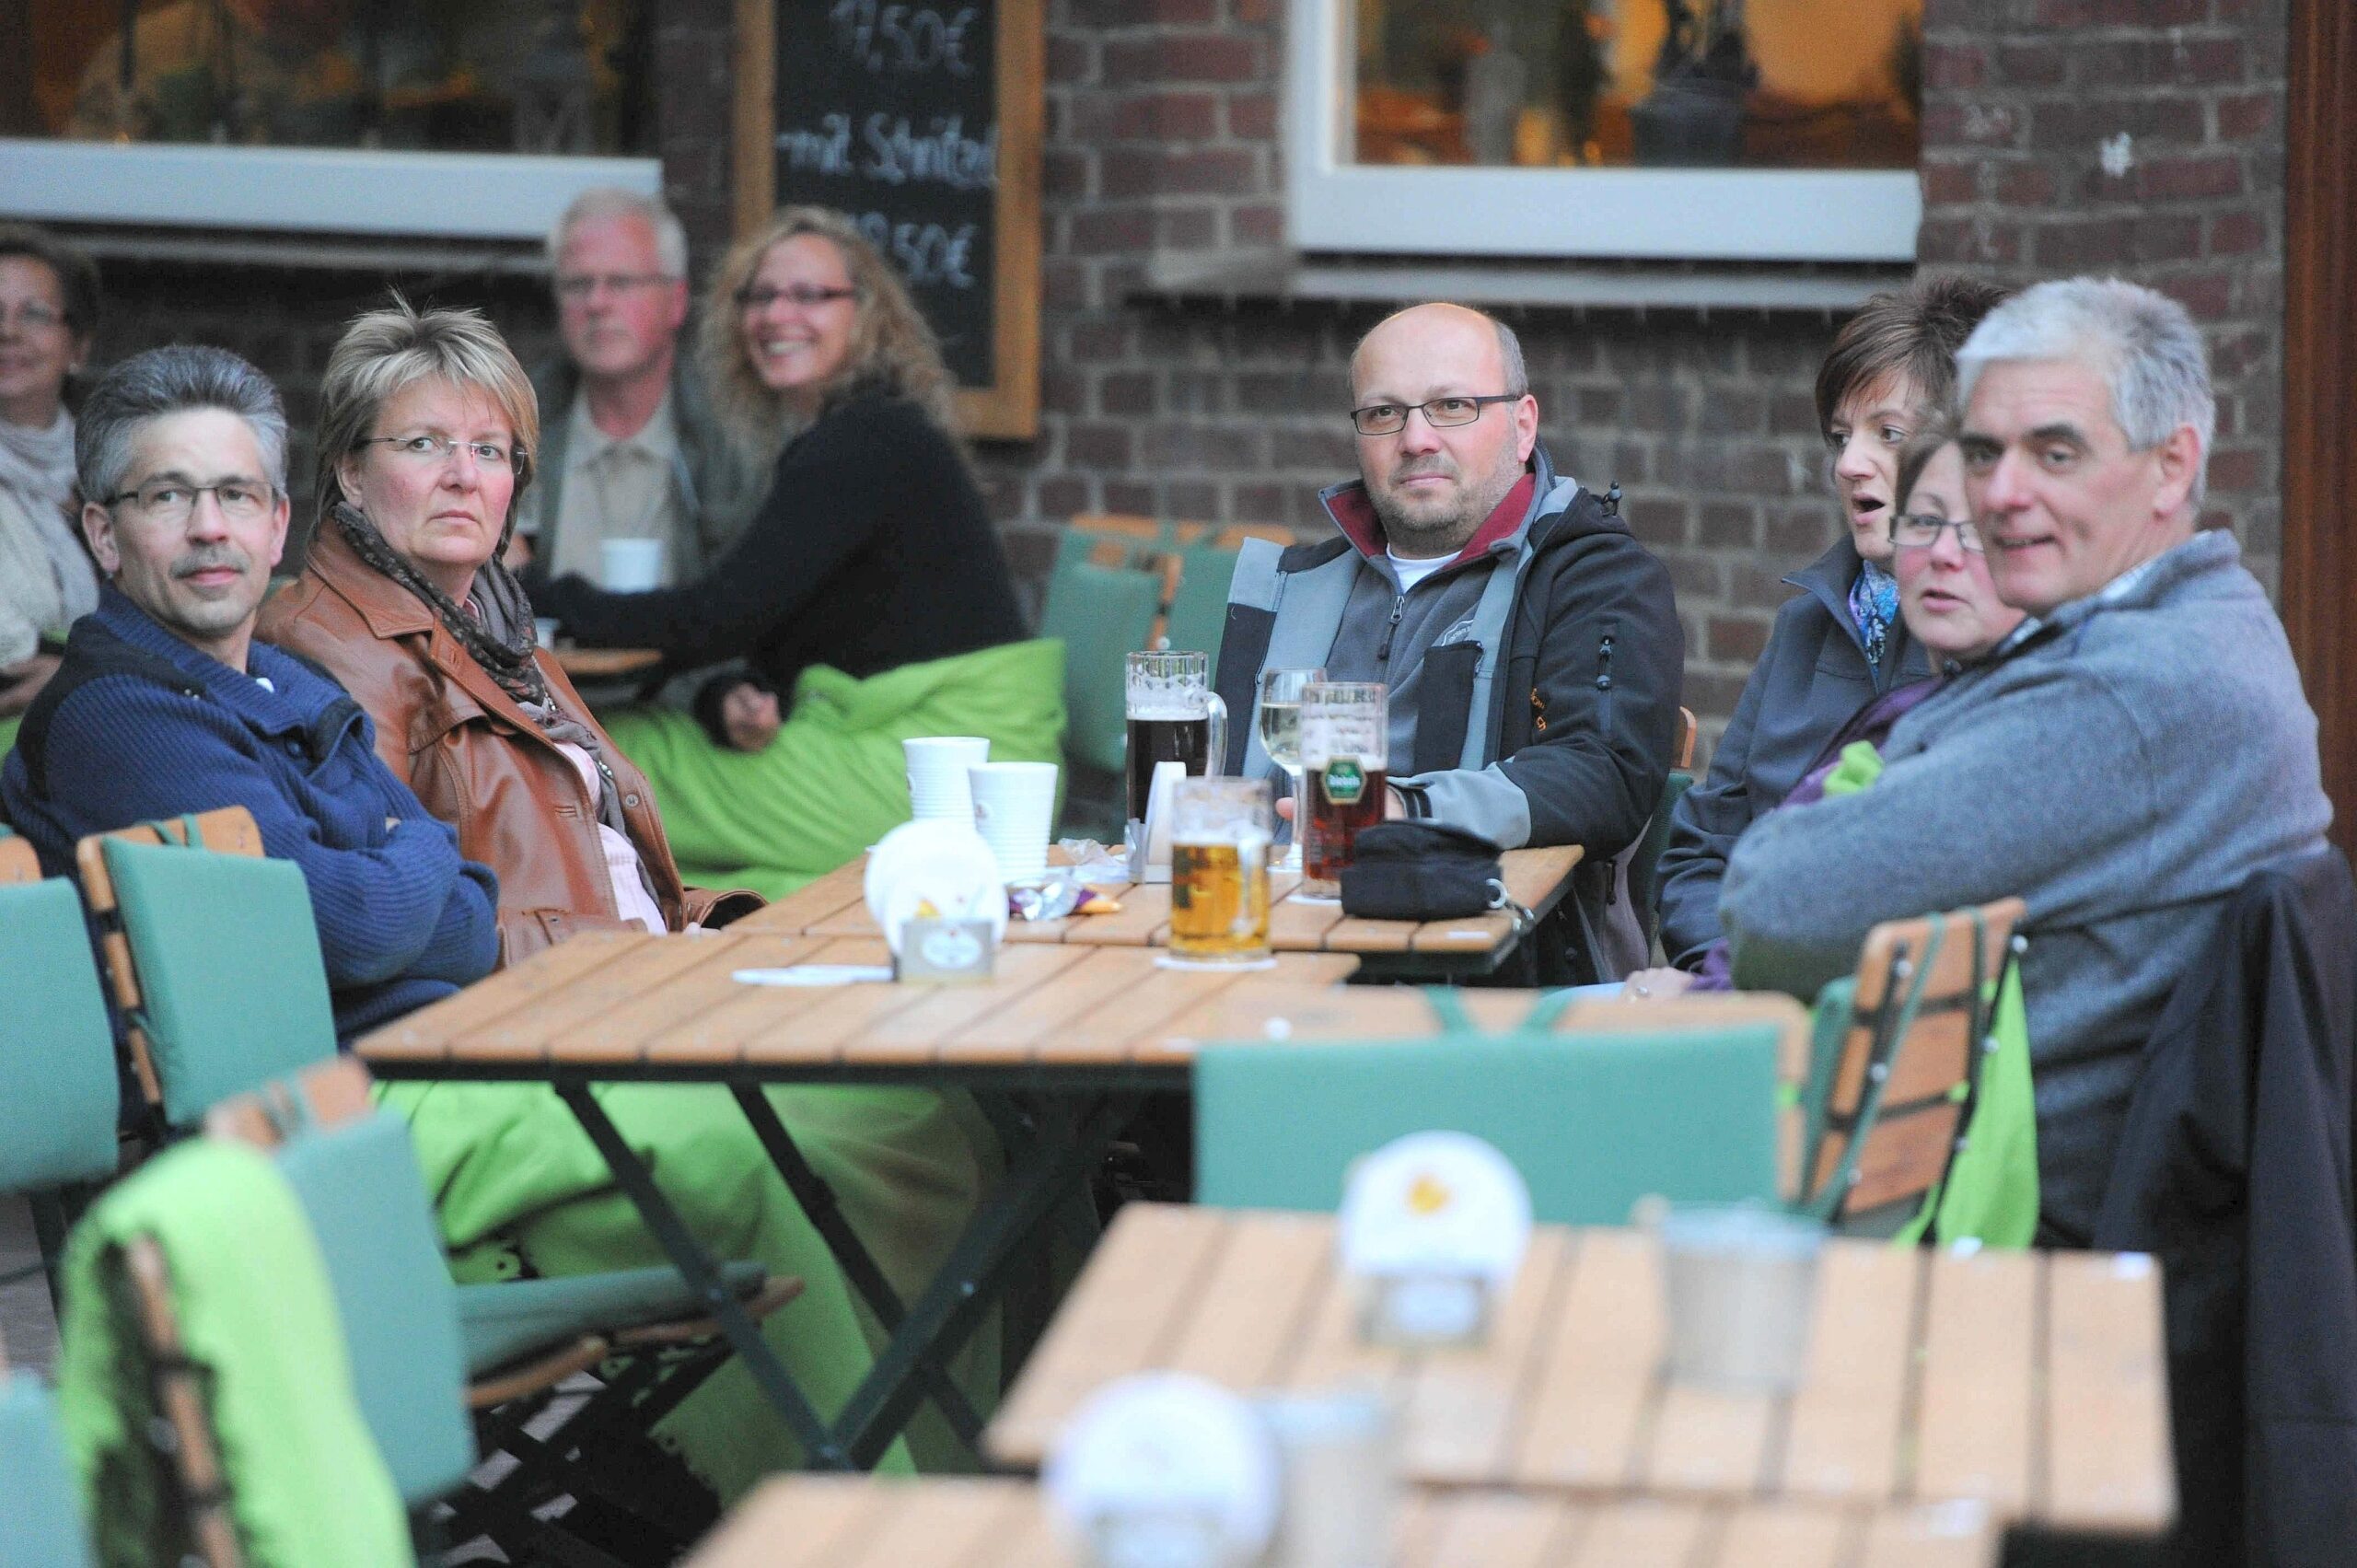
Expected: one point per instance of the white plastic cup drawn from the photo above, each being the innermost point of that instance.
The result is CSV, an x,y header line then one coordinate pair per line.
x,y
937,783
630,565
1015,806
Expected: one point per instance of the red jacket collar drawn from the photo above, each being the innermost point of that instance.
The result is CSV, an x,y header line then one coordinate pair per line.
x,y
1354,513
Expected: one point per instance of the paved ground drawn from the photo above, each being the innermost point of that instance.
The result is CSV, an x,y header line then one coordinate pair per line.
x,y
27,1329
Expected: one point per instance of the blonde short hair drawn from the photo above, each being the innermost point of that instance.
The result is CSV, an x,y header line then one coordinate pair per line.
x,y
892,347
386,351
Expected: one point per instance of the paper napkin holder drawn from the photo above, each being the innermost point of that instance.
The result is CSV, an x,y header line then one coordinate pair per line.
x,y
941,950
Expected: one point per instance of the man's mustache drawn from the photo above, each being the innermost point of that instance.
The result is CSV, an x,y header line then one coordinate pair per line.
x,y
210,559
1424,468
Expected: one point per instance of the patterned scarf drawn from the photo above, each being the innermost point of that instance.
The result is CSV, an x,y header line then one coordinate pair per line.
x,y
495,628
39,466
1873,604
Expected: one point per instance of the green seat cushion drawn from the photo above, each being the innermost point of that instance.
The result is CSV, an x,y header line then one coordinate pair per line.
x,y
60,1094
40,1522
1594,1121
232,985
360,1187
1198,609
1102,613
509,1320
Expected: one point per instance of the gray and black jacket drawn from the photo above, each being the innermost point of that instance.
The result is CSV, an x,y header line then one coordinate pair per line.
x,y
1534,679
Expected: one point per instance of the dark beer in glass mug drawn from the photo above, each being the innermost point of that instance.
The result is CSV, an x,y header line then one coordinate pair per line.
x,y
1345,756
1174,717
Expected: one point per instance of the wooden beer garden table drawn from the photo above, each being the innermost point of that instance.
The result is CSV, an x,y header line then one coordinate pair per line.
x,y
2032,1382
606,664
847,1522
1057,1048
835,905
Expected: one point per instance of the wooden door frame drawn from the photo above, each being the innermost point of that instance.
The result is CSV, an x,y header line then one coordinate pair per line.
x,y
2319,573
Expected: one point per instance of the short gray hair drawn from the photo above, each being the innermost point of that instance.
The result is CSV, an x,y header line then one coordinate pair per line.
x,y
2142,342
614,202
147,386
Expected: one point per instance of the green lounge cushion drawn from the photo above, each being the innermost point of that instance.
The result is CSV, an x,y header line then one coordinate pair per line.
x,y
1594,1121
59,1092
232,987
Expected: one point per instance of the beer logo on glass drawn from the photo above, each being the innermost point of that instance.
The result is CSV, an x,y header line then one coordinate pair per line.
x,y
1343,781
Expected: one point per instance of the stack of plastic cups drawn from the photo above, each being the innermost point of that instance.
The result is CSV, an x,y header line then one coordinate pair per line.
x,y
937,784
1014,808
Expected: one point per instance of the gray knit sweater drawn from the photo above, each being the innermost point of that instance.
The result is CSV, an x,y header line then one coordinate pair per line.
x,y
2122,768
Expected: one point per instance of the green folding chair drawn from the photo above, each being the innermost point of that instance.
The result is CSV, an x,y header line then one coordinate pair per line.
x,y
1593,1119
59,1092
1644,867
41,1523
425,1351
1103,612
1896,1065
1198,618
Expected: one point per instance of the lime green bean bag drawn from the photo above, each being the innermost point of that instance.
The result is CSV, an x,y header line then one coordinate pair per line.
x,y
834,780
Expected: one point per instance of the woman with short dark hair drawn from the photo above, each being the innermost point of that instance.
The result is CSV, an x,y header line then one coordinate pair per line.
x,y
1841,641
49,316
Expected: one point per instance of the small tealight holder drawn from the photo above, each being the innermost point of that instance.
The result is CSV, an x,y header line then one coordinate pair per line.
x,y
938,950
1431,1232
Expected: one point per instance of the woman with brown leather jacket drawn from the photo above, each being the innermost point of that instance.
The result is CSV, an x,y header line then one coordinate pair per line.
x,y
427,429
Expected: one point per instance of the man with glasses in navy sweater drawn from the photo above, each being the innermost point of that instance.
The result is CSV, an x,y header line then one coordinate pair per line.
x,y
165,705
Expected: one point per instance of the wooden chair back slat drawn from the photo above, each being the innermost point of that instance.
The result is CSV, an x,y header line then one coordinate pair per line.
x,y
180,1399
1687,729
1909,1143
332,1094
227,829
18,861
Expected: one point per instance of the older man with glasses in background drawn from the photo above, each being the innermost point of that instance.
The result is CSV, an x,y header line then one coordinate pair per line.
x,y
629,445
165,705
2122,761
1530,644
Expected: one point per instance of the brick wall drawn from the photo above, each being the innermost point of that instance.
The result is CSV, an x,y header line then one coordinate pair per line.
x,y
2023,100
1163,137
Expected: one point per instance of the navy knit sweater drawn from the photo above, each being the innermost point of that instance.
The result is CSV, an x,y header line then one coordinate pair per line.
x,y
402,920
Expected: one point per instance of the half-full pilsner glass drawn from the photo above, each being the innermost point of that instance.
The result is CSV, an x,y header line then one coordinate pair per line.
x,y
1345,757
1280,719
1219,871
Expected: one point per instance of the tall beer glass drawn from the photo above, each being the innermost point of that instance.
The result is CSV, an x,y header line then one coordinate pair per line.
x,y
1219,872
1175,716
1345,756
1280,721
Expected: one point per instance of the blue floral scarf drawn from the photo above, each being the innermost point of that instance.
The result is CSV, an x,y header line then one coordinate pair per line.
x,y
1873,604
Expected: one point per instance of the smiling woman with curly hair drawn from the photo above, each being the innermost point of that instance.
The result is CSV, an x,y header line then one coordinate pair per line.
x,y
869,597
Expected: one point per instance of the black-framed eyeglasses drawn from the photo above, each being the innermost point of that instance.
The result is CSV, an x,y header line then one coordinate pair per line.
x,y
1921,530
423,449
801,295
172,501
1441,413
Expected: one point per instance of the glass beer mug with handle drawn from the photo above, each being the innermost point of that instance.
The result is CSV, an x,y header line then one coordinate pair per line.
x,y
1174,717
1219,872
1345,757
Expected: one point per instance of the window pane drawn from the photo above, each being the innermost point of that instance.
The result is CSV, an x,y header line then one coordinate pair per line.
x,y
444,75
1764,84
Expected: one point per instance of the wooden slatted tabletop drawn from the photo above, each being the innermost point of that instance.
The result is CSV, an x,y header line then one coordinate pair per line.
x,y
835,905
855,1522
2033,1383
652,1004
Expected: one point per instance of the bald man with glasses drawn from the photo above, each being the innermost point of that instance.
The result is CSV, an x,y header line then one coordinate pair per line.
x,y
1531,646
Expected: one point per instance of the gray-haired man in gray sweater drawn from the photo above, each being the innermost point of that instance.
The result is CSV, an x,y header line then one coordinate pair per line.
x,y
2122,762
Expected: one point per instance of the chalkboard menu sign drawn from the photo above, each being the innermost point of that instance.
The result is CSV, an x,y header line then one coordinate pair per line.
x,y
922,121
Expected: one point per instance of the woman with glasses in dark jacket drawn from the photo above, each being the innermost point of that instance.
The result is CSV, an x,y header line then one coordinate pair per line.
x,y
1840,643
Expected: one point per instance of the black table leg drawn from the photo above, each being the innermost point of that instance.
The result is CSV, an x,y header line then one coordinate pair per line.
x,y
697,1268
859,1265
